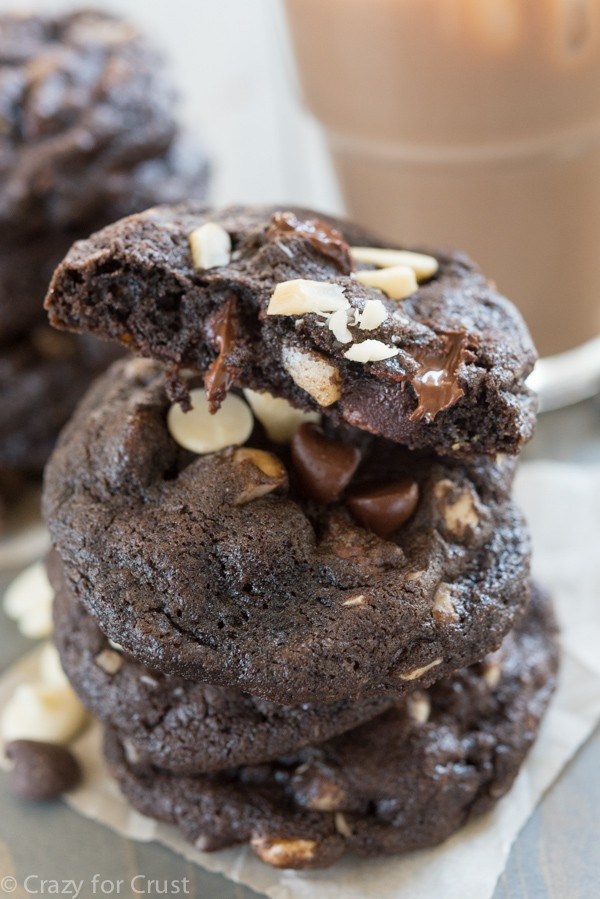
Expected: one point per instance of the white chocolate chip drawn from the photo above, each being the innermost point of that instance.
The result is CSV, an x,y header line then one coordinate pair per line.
x,y
279,419
419,706
355,600
42,712
444,610
342,826
338,324
28,600
283,853
201,432
109,660
210,245
460,513
423,266
301,296
313,373
398,282
373,315
50,669
370,351
419,672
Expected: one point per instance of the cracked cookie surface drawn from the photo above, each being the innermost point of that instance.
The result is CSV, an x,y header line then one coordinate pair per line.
x,y
188,566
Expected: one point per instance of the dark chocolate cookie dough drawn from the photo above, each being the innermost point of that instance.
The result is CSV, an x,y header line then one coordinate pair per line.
x,y
407,780
205,567
460,352
180,725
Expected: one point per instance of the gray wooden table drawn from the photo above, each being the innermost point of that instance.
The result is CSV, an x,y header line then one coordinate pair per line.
x,y
557,855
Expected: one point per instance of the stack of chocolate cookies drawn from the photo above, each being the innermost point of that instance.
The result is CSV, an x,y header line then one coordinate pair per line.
x,y
290,577
87,135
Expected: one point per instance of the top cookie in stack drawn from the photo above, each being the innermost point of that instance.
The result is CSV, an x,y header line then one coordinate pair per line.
x,y
341,564
418,349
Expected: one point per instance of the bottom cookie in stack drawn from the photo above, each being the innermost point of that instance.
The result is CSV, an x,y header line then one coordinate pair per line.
x,y
407,777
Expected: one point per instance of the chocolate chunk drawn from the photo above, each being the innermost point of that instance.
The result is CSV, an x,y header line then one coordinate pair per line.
x,y
222,330
41,770
326,239
436,381
384,508
324,467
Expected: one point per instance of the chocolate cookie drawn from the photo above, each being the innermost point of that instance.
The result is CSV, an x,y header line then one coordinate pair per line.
x,y
83,100
407,780
441,363
184,726
256,569
42,376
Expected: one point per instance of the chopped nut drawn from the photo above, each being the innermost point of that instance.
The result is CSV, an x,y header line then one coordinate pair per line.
x,y
109,660
419,672
443,609
266,462
284,853
341,825
302,296
201,432
398,282
132,753
355,600
373,315
338,324
415,575
265,472
423,266
492,669
278,417
370,351
418,706
326,797
313,373
460,513
210,245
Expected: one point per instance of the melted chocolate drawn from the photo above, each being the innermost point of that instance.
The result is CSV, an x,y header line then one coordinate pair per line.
x,y
436,381
222,332
326,240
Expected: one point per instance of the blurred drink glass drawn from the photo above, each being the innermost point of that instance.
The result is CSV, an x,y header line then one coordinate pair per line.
x,y
474,124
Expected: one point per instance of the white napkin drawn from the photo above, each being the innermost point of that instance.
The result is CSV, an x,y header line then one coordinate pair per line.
x,y
562,504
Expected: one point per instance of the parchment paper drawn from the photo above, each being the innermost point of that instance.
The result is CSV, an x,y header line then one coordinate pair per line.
x,y
562,504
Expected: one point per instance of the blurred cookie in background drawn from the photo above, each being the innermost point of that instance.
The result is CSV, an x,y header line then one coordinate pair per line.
x,y
88,133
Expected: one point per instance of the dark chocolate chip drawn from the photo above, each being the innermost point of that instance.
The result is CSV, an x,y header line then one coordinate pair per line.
x,y
41,770
383,508
324,467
